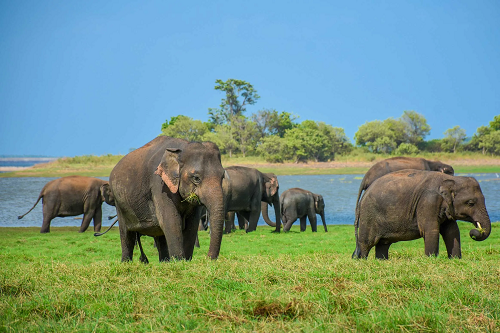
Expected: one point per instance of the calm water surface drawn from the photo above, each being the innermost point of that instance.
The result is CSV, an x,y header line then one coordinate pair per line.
x,y
17,196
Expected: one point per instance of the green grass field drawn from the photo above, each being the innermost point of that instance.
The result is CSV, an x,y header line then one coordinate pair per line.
x,y
263,282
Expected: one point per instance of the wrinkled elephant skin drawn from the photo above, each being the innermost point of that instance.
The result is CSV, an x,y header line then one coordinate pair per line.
x,y
410,204
160,190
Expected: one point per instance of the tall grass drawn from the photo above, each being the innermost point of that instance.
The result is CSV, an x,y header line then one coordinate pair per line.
x,y
66,281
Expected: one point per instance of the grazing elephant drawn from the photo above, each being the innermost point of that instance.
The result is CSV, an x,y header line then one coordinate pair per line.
x,y
71,196
248,193
160,190
410,204
298,203
400,163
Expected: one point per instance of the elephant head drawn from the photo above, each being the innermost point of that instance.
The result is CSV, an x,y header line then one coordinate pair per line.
x,y
107,195
319,207
271,196
441,167
464,200
197,175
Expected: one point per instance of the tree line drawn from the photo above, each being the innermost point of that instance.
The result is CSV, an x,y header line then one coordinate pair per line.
x,y
278,136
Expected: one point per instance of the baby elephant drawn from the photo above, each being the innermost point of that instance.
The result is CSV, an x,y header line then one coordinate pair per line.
x,y
410,204
298,203
74,195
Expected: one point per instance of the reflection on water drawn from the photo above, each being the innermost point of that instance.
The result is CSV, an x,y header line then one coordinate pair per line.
x,y
17,196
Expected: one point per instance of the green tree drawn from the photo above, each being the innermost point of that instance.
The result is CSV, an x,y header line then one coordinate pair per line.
x,y
453,138
495,123
169,123
490,143
223,137
239,94
406,149
266,121
379,136
273,149
245,133
184,127
416,127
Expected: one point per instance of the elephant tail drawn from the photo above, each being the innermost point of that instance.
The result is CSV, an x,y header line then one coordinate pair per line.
x,y
39,197
97,234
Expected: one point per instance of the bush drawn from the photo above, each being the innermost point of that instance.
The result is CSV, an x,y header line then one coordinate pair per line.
x,y
406,149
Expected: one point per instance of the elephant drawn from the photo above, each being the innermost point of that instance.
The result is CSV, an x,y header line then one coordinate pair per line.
x,y
160,190
249,191
299,203
399,163
71,196
410,204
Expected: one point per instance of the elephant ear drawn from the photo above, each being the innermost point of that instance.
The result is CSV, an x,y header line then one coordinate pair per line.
x,y
107,195
169,169
318,199
272,185
446,190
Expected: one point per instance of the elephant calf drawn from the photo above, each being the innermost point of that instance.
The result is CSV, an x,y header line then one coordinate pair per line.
x,y
410,204
74,195
299,203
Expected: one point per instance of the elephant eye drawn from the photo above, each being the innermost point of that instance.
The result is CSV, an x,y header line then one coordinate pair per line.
x,y
470,203
196,179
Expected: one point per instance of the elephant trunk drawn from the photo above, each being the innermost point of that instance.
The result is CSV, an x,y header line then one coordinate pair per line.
x,y
483,225
265,214
215,207
322,214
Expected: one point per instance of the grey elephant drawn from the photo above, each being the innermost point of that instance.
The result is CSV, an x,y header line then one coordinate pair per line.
x,y
400,163
160,190
297,203
71,196
410,204
249,193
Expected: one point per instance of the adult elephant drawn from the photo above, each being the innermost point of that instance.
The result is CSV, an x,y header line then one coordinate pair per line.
x,y
160,190
299,203
410,204
249,192
400,163
71,196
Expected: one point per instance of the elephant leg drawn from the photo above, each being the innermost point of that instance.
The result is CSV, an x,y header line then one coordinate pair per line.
x,y
190,234
87,217
242,222
431,240
197,242
303,223
161,246
47,218
229,222
382,251
313,221
451,236
127,239
98,219
253,219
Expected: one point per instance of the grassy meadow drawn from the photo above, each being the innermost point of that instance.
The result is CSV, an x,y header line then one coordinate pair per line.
x,y
262,282
354,163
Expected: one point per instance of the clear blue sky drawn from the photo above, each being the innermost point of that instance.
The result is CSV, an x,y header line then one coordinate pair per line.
x,y
98,77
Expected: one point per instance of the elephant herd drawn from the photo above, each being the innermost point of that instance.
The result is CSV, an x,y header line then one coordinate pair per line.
x,y
166,187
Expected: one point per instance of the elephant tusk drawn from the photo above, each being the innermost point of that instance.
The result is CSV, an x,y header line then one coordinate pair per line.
x,y
479,226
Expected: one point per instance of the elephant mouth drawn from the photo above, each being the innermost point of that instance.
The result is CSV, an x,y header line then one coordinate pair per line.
x,y
478,226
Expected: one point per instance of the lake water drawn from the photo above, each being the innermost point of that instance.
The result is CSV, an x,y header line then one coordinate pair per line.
x,y
17,196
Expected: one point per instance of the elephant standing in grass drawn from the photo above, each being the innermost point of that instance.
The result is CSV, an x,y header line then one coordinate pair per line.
x,y
248,193
71,196
410,204
400,163
299,203
160,190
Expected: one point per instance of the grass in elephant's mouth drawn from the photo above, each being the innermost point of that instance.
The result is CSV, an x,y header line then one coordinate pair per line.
x,y
192,198
66,281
